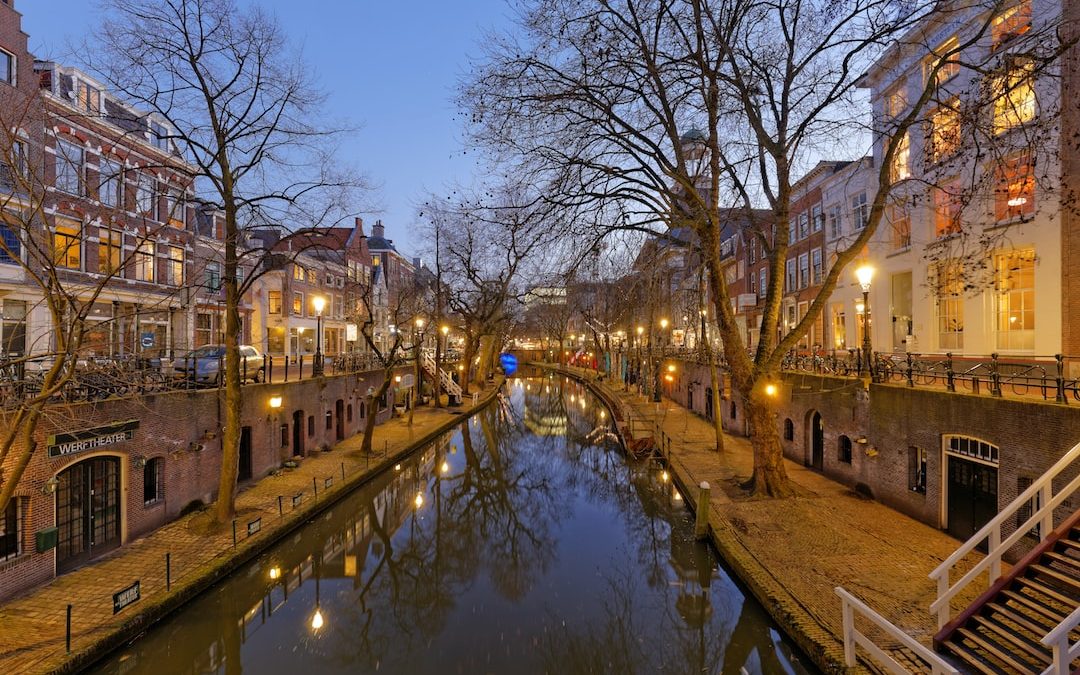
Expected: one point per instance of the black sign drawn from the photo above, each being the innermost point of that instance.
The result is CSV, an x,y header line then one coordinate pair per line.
x,y
254,526
328,482
297,498
128,596
91,439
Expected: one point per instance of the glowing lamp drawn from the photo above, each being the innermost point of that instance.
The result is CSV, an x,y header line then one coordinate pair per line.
x,y
275,402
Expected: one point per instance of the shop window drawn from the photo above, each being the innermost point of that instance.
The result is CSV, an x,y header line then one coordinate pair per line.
x,y
153,481
843,449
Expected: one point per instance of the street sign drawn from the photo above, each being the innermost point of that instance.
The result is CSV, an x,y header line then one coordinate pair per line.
x,y
125,597
254,526
146,340
90,439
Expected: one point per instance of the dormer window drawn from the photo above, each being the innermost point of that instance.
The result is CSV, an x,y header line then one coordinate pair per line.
x,y
88,98
159,135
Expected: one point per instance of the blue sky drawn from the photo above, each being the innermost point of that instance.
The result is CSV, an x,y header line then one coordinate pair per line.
x,y
389,67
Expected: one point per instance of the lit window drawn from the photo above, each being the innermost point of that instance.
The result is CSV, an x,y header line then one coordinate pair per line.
x,y
297,273
1014,195
175,208
67,246
144,261
896,101
273,301
1011,22
839,326
69,168
944,131
948,208
311,279
1014,299
1014,103
949,69
948,285
901,165
298,304
110,251
175,267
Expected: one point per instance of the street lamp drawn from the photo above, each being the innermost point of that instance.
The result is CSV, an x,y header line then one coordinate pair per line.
x,y
864,274
319,303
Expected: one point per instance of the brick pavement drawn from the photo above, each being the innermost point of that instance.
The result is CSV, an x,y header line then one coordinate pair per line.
x,y
32,626
792,553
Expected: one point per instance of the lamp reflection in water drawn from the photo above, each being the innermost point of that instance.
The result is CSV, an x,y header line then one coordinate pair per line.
x,y
317,617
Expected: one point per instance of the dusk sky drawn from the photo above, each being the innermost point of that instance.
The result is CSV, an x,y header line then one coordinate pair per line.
x,y
388,67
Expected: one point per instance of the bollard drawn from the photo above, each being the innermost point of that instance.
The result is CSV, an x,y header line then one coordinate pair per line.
x,y
245,370
701,522
286,368
234,532
343,471
268,368
301,376
168,571
67,635
280,508
315,484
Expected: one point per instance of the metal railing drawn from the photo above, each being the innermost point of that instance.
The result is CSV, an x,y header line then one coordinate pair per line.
x,y
850,606
1042,490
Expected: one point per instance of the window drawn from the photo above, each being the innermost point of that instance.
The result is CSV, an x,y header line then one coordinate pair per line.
x,y
175,208
948,286
175,266
949,69
311,425
311,277
835,227
284,435
948,208
329,420
88,98
1014,103
763,287
839,326
900,218
144,261
754,284
793,232
13,327
109,182
789,277
153,481
8,67
973,447
789,430
298,304
1010,23
329,280
273,301
896,101
944,136
860,211
13,170
753,251
297,273
145,197
204,329
110,251
1014,299
843,449
67,246
69,168
1014,195
213,277
901,165
917,470
804,270
817,218
804,225
159,136
10,245
12,524
816,268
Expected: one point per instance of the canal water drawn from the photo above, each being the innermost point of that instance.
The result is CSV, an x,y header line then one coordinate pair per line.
x,y
522,542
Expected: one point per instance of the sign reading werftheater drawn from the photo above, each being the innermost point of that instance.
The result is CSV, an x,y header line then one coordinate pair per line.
x,y
91,439
128,596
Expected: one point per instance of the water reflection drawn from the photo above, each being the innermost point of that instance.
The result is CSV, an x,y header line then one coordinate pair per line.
x,y
522,542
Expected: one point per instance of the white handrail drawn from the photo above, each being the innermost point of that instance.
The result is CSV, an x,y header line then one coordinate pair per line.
x,y
992,532
849,605
1058,640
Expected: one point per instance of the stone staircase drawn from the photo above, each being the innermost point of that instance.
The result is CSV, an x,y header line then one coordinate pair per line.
x,y
1003,630
449,386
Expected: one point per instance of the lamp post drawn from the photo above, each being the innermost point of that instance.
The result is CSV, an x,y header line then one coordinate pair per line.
x,y
319,303
656,368
441,346
416,341
637,357
864,274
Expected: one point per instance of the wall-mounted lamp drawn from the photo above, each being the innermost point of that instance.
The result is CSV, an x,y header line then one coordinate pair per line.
x,y
861,439
275,402
50,486
141,462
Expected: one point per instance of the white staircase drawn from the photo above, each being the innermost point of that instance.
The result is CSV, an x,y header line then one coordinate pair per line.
x,y
448,384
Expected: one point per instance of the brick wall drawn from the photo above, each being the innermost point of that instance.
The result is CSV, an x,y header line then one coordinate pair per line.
x,y
184,429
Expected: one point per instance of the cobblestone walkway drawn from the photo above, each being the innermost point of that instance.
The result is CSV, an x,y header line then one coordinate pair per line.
x,y
32,626
797,551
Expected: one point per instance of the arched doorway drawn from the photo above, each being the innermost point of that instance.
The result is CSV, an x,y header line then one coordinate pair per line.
x,y
816,438
87,511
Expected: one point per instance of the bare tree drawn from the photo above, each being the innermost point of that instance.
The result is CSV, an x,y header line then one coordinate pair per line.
x,y
246,115
687,113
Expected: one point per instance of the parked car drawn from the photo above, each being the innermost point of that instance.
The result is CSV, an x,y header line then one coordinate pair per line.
x,y
202,365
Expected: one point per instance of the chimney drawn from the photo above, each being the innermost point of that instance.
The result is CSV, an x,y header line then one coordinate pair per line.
x,y
360,225
378,230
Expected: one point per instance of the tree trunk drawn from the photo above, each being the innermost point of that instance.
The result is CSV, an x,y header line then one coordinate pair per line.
x,y
717,418
769,477
373,411
225,508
